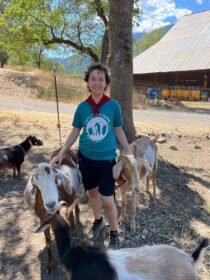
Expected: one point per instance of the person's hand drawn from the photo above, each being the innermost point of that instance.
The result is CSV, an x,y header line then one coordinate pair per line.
x,y
56,161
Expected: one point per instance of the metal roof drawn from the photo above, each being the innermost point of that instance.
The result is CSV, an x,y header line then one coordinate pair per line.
x,y
186,46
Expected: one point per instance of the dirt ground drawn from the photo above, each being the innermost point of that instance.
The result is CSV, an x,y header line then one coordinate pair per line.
x,y
179,216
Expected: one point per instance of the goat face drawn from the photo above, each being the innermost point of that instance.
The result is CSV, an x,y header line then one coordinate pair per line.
x,y
128,168
132,170
34,141
46,178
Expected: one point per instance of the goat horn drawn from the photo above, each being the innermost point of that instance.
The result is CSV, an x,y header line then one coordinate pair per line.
x,y
45,225
70,209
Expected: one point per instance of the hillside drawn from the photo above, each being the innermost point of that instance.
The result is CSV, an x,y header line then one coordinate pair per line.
x,y
148,39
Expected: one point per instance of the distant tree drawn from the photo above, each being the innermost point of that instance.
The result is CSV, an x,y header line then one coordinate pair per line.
x,y
121,62
149,39
3,57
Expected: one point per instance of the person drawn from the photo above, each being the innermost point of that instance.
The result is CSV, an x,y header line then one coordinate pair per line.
x,y
100,119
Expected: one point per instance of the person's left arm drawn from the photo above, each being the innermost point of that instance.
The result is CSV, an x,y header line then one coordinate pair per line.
x,y
122,139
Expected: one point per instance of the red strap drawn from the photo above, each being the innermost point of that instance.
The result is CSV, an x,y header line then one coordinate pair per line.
x,y
95,105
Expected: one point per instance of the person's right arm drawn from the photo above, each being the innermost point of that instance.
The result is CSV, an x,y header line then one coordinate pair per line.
x,y
56,161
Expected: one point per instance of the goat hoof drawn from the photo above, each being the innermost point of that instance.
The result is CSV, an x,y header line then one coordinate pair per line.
x,y
133,231
120,221
50,270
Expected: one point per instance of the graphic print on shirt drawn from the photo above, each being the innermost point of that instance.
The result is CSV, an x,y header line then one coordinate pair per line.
x,y
97,128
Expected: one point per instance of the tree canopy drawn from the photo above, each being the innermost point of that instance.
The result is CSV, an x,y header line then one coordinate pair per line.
x,y
79,26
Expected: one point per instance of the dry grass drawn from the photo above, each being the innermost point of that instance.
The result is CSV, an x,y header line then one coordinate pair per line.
x,y
71,89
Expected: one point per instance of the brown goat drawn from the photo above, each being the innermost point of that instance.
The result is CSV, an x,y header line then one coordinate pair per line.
x,y
13,157
52,185
132,170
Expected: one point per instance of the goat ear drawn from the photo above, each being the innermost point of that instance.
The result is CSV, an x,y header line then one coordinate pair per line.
x,y
29,190
117,169
145,169
65,181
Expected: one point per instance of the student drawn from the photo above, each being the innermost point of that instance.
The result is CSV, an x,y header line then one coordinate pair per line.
x,y
100,119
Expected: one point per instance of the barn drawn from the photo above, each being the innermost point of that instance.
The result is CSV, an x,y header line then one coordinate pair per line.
x,y
181,58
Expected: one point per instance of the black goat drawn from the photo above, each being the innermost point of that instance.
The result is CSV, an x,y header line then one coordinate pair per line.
x,y
82,261
13,157
156,262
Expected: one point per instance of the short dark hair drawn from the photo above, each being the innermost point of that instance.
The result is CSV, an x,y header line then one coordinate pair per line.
x,y
100,67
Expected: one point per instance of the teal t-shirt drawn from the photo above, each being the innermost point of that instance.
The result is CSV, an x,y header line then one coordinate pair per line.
x,y
98,140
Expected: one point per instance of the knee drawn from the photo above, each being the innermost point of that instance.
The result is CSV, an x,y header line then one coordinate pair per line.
x,y
108,203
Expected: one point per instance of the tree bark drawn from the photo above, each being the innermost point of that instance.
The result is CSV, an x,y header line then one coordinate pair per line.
x,y
121,61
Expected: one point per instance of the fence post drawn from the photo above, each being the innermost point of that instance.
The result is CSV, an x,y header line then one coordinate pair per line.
x,y
58,115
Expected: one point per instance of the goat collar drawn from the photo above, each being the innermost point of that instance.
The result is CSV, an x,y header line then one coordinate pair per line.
x,y
121,181
22,149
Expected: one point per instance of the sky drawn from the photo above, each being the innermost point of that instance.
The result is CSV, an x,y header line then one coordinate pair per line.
x,y
157,13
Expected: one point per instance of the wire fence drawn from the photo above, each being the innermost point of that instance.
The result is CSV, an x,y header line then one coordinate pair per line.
x,y
187,93
55,93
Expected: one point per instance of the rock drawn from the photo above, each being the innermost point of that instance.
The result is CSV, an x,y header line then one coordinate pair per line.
x,y
162,140
174,148
145,232
197,147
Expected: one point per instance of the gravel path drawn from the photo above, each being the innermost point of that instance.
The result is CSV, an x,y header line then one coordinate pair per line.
x,y
199,118
16,93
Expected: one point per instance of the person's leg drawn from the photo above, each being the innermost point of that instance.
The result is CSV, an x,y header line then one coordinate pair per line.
x,y
110,211
107,191
95,203
89,173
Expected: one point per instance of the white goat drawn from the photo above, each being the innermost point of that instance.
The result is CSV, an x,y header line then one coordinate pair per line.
x,y
52,185
132,170
157,262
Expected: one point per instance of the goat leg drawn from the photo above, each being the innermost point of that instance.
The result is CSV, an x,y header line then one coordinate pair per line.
x,y
14,172
18,171
50,259
123,208
133,212
154,182
147,184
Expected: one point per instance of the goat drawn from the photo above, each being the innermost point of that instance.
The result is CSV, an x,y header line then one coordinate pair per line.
x,y
13,157
51,185
156,262
132,170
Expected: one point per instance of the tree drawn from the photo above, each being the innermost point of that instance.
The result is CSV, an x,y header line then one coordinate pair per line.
x,y
78,25
3,57
121,62
149,39
65,23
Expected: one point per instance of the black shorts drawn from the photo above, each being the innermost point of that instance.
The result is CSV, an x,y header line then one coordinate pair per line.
x,y
97,173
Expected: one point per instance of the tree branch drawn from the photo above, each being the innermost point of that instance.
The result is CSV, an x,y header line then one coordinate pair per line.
x,y
87,50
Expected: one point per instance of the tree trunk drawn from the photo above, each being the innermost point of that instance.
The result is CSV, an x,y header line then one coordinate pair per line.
x,y
121,61
105,47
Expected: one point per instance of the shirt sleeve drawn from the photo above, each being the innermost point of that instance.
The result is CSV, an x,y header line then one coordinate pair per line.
x,y
77,118
118,116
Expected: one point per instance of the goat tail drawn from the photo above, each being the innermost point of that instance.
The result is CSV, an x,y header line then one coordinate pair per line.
x,y
199,252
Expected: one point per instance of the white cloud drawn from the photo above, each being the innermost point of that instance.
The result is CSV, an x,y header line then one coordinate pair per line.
x,y
157,13
199,1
